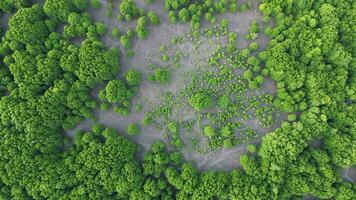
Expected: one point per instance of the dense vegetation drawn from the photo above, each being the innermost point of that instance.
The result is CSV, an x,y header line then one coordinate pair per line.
x,y
46,80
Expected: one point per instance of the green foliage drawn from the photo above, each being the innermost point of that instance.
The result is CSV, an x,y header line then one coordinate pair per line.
x,y
173,127
115,32
226,131
183,15
153,17
109,9
192,11
224,101
254,27
127,39
116,91
133,77
165,57
224,23
201,100
221,78
251,148
243,7
292,117
96,4
129,10
345,190
81,5
101,28
12,5
172,17
105,106
46,81
113,149
233,8
58,9
122,110
96,64
161,75
29,21
247,75
133,129
141,28
175,4
209,131
253,46
341,148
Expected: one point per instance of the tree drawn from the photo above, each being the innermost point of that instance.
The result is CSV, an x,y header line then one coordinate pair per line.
x,y
253,46
100,28
208,16
251,148
233,6
151,188
161,75
184,15
116,91
209,131
224,23
254,27
243,7
81,5
126,41
153,17
165,57
201,100
11,5
96,65
115,32
172,17
226,131
173,127
141,28
341,148
247,75
118,153
175,4
128,9
345,191
96,4
224,101
211,184
58,9
46,82
292,117
156,160
133,129
133,77
31,22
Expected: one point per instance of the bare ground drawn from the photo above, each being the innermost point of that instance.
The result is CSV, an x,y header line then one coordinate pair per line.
x,y
349,174
145,50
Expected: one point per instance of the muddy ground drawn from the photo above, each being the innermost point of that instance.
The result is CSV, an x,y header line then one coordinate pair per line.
x,y
223,159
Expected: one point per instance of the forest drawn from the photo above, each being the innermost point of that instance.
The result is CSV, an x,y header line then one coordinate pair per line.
x,y
58,69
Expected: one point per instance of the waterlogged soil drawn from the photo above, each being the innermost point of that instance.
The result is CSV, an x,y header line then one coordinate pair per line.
x,y
149,93
349,174
4,18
